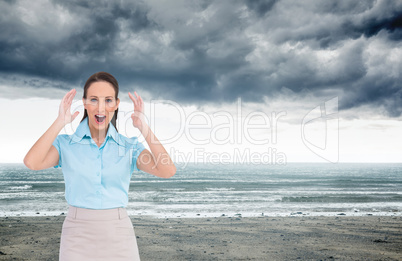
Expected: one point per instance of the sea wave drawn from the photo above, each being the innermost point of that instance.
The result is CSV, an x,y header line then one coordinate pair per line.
x,y
319,188
25,187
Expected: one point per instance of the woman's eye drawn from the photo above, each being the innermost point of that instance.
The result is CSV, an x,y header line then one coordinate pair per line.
x,y
109,100
93,100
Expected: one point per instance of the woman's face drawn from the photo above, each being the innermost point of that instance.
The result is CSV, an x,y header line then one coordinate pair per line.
x,y
100,105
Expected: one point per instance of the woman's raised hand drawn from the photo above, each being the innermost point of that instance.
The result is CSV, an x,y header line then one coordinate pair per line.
x,y
65,106
138,115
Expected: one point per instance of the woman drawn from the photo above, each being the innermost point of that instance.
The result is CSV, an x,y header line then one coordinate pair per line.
x,y
97,163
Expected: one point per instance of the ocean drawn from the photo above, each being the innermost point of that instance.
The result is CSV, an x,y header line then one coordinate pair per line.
x,y
233,190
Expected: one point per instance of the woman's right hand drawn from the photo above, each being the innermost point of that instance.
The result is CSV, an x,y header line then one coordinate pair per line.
x,y
43,155
65,106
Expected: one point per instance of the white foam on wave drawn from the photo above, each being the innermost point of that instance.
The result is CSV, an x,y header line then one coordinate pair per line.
x,y
32,213
156,214
25,187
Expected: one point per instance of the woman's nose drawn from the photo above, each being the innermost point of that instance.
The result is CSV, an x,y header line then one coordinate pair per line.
x,y
101,106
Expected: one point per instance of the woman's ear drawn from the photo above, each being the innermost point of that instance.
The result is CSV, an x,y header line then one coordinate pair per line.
x,y
83,102
117,103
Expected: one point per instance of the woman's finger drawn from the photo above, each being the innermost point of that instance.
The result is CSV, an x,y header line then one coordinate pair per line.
x,y
140,102
135,100
67,97
131,97
72,95
63,103
137,96
75,115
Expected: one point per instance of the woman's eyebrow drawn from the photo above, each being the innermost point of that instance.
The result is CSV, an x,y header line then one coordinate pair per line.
x,y
93,96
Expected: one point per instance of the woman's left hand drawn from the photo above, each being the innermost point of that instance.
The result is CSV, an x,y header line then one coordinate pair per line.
x,y
138,115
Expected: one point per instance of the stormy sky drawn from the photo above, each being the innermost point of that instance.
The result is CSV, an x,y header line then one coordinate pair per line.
x,y
210,51
274,55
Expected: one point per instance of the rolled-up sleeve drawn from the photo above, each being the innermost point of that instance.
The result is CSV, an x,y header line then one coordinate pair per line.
x,y
137,148
56,144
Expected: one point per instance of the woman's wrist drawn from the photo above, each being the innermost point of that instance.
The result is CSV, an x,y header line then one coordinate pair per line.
x,y
59,123
144,129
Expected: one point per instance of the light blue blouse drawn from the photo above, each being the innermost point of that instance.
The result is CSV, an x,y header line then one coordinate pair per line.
x,y
97,177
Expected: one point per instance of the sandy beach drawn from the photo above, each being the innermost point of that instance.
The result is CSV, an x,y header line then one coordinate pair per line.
x,y
225,238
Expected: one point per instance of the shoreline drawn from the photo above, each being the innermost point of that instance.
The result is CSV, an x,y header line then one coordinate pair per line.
x,y
225,238
218,215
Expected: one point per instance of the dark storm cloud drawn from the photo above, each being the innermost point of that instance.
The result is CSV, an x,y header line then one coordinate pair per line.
x,y
39,47
261,7
212,51
371,25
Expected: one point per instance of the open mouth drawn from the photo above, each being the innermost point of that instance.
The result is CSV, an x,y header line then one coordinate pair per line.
x,y
100,118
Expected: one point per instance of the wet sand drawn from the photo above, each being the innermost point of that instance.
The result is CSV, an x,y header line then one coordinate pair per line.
x,y
225,238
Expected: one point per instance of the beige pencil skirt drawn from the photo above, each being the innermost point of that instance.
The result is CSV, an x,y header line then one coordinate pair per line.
x,y
89,234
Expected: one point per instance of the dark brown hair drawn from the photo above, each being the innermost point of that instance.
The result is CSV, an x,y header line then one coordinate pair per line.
x,y
102,77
